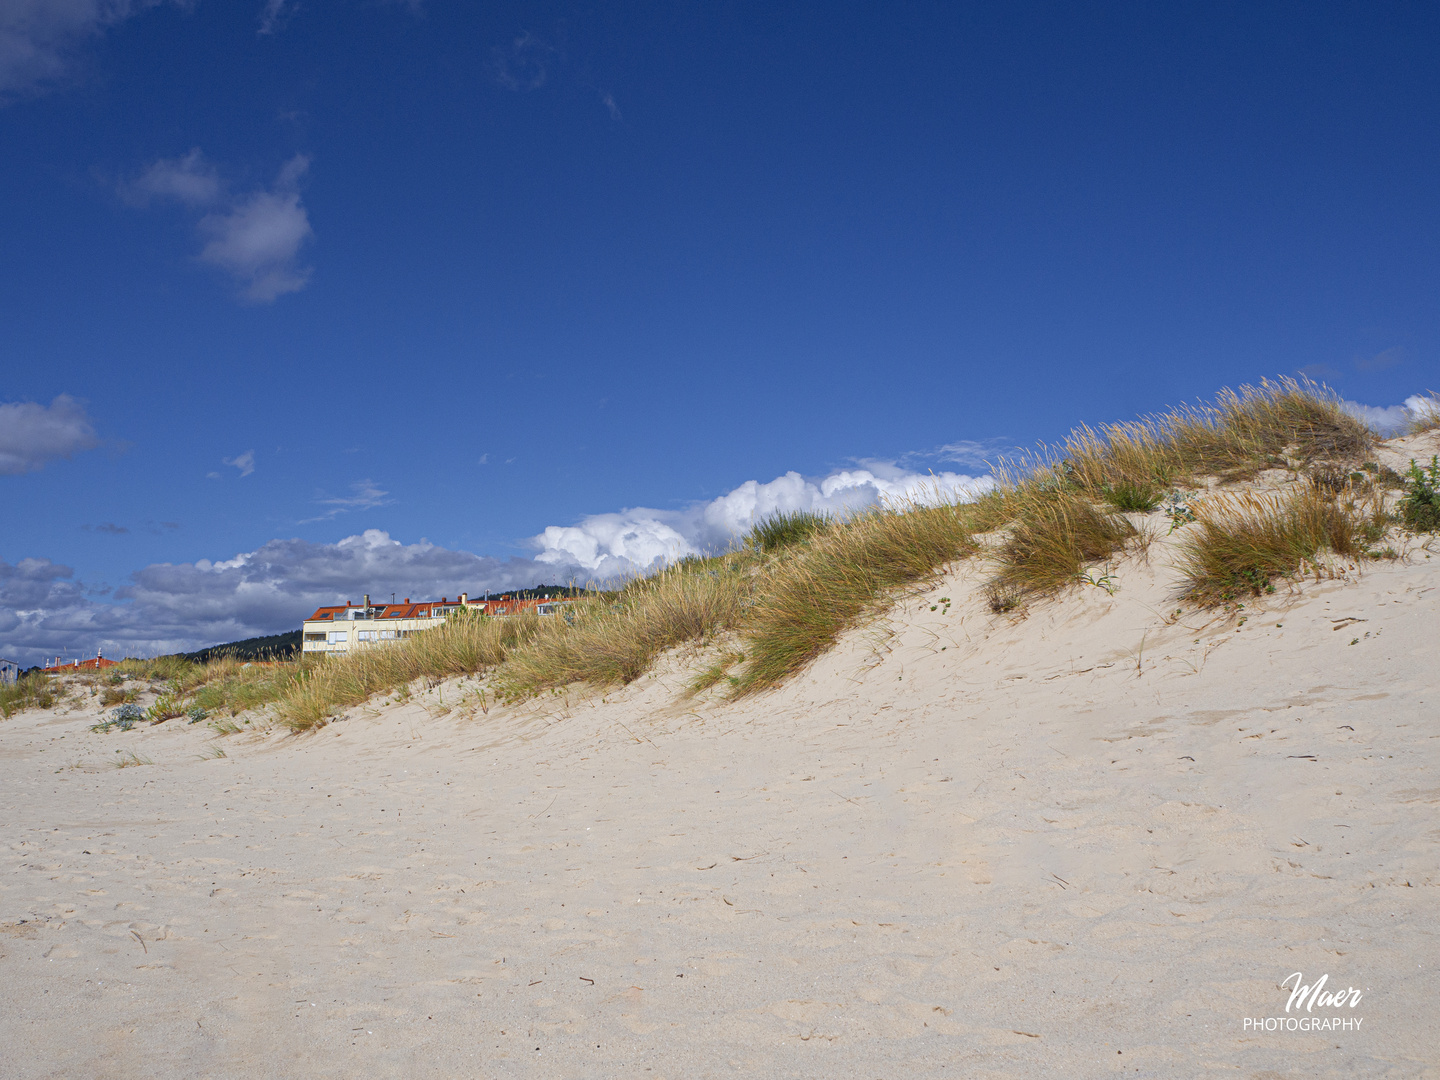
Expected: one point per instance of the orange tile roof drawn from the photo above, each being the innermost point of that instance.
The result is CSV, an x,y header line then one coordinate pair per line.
x,y
95,663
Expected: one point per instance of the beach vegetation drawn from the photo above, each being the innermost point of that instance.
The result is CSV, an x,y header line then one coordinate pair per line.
x,y
1420,508
784,530
1241,544
1133,496
842,575
1425,414
33,691
1054,536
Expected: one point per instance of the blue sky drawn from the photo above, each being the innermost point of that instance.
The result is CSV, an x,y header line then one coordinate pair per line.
x,y
301,300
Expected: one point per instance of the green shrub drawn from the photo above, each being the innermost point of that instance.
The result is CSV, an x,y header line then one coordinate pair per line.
x,y
123,718
786,530
1420,508
1134,495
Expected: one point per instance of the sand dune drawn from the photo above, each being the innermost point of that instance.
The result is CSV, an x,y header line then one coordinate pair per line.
x,y
1086,842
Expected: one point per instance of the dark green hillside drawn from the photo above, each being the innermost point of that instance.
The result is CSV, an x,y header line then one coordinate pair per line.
x,y
271,647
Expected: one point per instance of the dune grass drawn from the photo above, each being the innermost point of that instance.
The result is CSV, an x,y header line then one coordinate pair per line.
x,y
842,574
1133,495
1242,543
1054,536
614,641
1281,424
462,645
1427,416
786,530
30,692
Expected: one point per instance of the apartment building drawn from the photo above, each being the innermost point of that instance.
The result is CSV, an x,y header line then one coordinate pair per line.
x,y
341,628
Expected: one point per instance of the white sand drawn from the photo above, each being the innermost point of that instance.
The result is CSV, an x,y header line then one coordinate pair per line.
x,y
1085,843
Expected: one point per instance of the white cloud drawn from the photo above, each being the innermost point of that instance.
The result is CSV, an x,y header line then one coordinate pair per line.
x,y
32,434
1390,420
258,239
614,545
255,237
274,15
190,179
365,496
967,452
244,462
39,39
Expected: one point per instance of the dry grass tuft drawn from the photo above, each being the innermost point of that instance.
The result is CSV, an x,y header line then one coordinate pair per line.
x,y
1055,535
613,641
1427,416
842,575
1282,424
1242,543
30,692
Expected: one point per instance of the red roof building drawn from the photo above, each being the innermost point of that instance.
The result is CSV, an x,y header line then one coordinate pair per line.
x,y
342,627
98,663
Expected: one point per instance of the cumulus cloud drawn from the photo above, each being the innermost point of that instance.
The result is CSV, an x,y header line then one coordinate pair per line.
x,y
258,239
244,462
190,179
40,39
254,237
32,434
632,541
1392,420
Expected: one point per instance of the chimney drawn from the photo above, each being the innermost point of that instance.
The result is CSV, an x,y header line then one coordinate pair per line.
x,y
407,599
367,599
464,596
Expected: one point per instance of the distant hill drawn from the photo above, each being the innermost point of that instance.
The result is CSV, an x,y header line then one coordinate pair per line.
x,y
272,647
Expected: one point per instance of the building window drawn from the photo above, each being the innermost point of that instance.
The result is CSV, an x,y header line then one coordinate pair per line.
x,y
336,637
315,637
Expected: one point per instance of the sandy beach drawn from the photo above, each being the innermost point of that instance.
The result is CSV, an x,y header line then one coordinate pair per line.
x,y
1091,841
